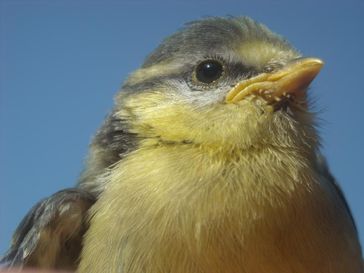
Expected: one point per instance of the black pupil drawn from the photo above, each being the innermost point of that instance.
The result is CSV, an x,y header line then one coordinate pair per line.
x,y
209,71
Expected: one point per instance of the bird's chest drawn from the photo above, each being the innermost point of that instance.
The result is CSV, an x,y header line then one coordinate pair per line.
x,y
182,214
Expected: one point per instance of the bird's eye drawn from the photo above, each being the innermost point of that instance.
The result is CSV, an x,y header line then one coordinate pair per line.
x,y
209,71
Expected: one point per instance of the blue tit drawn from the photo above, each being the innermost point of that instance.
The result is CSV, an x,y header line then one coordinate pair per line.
x,y
209,162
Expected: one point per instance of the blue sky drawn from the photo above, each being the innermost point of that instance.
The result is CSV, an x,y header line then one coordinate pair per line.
x,y
61,62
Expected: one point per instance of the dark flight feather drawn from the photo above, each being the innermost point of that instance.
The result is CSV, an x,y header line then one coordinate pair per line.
x,y
50,235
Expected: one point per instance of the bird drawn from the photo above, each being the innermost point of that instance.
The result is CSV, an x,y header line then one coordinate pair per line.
x,y
209,161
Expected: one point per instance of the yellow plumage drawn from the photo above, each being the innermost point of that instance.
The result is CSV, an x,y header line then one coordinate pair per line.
x,y
223,213
209,163
216,205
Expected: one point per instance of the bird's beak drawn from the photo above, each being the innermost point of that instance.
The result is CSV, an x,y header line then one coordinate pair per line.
x,y
294,77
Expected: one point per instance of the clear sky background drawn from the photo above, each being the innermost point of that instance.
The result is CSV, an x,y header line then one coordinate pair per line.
x,y
61,62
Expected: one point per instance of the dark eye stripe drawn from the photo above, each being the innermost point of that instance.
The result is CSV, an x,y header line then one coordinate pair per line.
x,y
240,71
233,72
152,82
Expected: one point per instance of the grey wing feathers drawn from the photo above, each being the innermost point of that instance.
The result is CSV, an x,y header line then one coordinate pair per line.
x,y
324,170
50,235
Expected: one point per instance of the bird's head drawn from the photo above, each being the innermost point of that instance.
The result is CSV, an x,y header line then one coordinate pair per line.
x,y
228,83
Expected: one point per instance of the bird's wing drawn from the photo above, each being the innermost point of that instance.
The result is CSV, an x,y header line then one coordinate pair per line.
x,y
50,235
324,170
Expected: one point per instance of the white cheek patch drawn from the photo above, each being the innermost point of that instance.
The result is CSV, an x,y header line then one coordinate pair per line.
x,y
181,91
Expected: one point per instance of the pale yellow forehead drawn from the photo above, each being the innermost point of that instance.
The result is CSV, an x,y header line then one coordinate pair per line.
x,y
261,53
